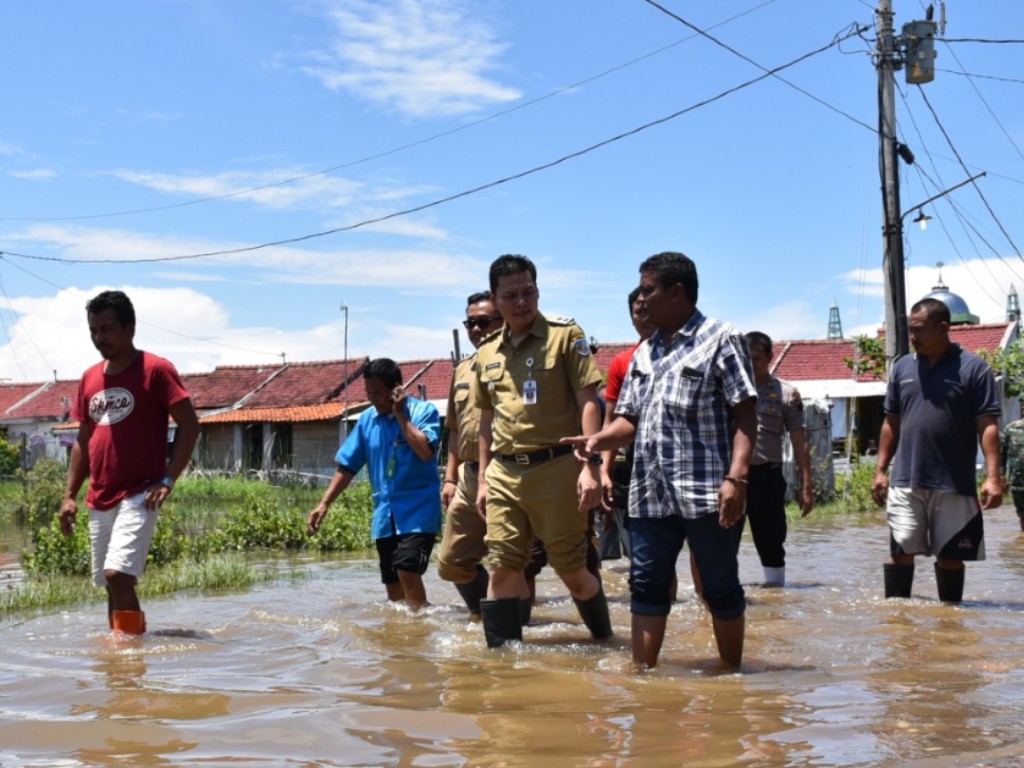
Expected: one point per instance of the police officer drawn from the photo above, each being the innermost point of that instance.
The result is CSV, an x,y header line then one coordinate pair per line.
x,y
536,381
779,410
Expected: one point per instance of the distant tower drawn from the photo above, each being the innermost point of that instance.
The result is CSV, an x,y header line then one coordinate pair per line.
x,y
835,325
1012,305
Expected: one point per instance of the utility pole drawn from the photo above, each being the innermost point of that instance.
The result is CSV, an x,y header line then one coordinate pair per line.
x,y
888,61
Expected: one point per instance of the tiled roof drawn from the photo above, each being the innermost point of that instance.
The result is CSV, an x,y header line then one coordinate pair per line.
x,y
294,414
822,359
607,352
11,394
225,385
52,401
308,384
434,375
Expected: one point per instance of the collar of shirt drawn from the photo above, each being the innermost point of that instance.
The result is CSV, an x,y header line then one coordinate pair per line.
x,y
660,345
538,329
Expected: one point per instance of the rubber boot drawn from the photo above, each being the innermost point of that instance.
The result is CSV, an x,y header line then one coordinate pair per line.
x,y
474,591
594,613
501,621
525,610
775,577
130,622
899,579
950,584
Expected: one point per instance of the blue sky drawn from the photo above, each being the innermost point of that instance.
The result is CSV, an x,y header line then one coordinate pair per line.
x,y
159,129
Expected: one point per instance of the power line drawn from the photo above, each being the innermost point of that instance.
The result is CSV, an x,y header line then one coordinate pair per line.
x,y
979,40
465,193
963,165
393,150
976,75
140,322
716,41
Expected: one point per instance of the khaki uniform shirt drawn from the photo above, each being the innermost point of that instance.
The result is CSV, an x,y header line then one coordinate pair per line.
x,y
463,413
1012,449
556,358
779,410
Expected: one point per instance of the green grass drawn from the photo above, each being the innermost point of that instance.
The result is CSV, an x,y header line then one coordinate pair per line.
x,y
227,572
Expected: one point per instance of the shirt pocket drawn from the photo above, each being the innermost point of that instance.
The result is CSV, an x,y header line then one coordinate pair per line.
x,y
687,392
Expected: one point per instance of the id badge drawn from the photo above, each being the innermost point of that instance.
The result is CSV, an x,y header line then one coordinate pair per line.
x,y
389,470
530,392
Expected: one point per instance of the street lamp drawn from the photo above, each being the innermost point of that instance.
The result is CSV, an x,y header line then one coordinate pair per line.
x,y
344,413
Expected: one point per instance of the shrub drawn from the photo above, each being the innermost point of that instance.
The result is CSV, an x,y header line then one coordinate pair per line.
x,y
10,457
54,553
42,491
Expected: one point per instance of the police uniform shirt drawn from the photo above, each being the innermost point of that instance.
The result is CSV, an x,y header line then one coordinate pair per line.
x,y
779,410
556,358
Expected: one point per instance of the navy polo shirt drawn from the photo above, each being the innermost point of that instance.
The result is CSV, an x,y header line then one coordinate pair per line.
x,y
938,409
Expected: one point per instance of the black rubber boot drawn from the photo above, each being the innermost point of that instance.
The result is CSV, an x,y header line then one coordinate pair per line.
x,y
525,610
899,579
950,584
501,621
474,591
594,613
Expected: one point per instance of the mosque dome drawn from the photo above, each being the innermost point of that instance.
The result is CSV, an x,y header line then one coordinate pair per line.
x,y
959,312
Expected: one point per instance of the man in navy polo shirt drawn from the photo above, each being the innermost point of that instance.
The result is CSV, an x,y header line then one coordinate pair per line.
x,y
939,403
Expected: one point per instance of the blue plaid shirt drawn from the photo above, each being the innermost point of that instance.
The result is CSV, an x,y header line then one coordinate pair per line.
x,y
680,392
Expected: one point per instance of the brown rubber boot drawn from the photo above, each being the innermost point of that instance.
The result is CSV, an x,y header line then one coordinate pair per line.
x,y
130,622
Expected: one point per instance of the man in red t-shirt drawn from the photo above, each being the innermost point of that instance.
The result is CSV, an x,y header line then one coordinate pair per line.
x,y
617,466
122,407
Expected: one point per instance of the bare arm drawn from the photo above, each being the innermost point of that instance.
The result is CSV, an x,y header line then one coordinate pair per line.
x,y
451,469
413,435
992,488
732,495
887,442
588,487
607,456
185,436
802,454
341,480
78,472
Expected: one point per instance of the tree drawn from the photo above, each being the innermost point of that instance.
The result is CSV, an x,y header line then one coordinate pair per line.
x,y
1008,363
870,357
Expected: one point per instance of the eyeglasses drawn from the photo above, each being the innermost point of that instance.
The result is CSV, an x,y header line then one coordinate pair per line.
x,y
482,322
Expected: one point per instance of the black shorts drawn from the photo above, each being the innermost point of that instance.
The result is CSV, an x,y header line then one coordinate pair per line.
x,y
408,552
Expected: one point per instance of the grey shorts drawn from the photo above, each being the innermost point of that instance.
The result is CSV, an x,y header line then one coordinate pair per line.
x,y
946,524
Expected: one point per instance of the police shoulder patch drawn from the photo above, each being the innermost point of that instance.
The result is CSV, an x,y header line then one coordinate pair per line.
x,y
582,347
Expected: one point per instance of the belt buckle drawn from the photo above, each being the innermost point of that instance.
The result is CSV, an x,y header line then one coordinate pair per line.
x,y
522,458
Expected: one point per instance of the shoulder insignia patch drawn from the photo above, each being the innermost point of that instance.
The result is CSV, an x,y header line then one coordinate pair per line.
x,y
582,347
559,320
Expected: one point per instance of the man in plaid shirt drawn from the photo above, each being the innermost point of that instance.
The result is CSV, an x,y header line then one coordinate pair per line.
x,y
689,403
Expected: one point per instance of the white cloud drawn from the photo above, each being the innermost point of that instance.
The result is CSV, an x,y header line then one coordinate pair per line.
x,y
6,148
319,191
420,59
35,174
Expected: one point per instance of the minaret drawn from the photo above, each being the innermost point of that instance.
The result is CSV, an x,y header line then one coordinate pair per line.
x,y
835,325
1012,305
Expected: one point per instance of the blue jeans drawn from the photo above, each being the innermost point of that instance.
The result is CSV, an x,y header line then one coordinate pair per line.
x,y
657,542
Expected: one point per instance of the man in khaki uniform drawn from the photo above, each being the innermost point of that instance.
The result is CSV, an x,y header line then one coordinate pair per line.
x,y
536,381
463,548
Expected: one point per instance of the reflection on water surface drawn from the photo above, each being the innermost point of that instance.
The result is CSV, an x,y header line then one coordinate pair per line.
x,y
322,673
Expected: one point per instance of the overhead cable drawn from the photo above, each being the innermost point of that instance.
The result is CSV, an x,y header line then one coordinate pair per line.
x,y
465,193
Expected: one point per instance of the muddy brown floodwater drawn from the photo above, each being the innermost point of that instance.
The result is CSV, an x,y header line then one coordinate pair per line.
x,y
322,672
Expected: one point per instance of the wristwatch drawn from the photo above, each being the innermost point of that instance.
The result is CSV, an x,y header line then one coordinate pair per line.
x,y
167,482
595,458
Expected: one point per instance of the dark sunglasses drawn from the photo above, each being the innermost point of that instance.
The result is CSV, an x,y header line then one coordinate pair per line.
x,y
480,322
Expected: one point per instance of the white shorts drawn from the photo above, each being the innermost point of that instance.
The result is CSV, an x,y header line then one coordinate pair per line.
x,y
931,522
120,538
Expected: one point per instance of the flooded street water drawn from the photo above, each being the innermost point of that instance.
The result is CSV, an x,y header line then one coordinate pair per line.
x,y
322,672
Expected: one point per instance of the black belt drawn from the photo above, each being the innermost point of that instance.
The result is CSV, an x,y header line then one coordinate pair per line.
x,y
472,465
535,457
768,465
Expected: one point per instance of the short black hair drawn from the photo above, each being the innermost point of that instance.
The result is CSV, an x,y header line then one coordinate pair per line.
x,y
936,309
762,340
510,264
476,298
385,369
115,300
633,296
670,268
